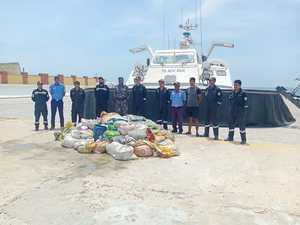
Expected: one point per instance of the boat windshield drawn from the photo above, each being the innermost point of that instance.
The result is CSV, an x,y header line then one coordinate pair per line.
x,y
174,59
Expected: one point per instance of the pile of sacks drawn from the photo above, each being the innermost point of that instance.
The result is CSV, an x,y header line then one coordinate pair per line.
x,y
122,137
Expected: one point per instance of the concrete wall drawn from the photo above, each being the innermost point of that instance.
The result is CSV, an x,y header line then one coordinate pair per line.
x,y
14,79
3,77
68,80
25,78
33,79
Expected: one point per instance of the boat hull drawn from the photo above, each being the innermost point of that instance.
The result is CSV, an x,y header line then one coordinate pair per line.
x,y
266,108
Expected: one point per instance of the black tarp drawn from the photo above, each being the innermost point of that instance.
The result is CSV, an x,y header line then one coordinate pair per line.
x,y
266,108
292,98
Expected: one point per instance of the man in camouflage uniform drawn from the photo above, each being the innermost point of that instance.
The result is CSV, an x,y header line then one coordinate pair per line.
x,y
121,97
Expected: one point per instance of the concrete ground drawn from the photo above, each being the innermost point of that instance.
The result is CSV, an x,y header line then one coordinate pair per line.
x,y
211,182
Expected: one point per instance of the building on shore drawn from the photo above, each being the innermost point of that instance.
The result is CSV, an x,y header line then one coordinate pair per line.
x,y
10,73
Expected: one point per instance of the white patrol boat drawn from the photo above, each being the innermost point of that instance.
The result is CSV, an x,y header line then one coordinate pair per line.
x,y
178,65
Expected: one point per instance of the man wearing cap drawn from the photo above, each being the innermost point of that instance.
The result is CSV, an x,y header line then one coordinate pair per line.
x,y
57,91
101,95
192,106
213,99
163,98
177,98
139,97
40,97
77,95
121,97
239,105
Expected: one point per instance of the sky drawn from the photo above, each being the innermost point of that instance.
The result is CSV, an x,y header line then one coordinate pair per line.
x,y
89,37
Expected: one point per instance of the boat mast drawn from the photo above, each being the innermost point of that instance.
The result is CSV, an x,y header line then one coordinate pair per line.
x,y
200,27
163,25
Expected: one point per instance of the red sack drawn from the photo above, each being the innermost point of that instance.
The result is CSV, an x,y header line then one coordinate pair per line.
x,y
150,135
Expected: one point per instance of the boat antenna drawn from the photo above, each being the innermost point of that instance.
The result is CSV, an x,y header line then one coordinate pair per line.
x,y
175,41
200,27
181,16
163,24
196,12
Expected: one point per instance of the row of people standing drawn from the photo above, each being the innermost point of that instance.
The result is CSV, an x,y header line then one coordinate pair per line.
x,y
40,97
58,91
121,97
190,101
178,99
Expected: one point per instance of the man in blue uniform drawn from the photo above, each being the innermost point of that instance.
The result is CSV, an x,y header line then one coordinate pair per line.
x,y
178,99
163,99
239,106
139,97
57,91
77,96
40,97
101,95
213,99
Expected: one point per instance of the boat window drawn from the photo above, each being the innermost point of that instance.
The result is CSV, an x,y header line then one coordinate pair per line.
x,y
164,59
174,59
184,58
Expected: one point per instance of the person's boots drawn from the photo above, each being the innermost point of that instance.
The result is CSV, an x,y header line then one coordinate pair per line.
x,y
180,129
243,138
216,133
230,136
36,127
165,126
206,132
174,129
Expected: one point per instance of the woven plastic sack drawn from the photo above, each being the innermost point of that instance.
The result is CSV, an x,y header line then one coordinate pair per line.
x,y
116,120
105,117
119,151
139,132
75,133
110,134
120,123
152,124
85,146
124,129
167,148
124,140
69,141
89,123
143,151
101,146
135,118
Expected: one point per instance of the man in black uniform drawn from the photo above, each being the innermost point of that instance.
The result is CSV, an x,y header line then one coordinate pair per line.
x,y
239,105
40,97
163,98
213,99
139,96
102,95
77,96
